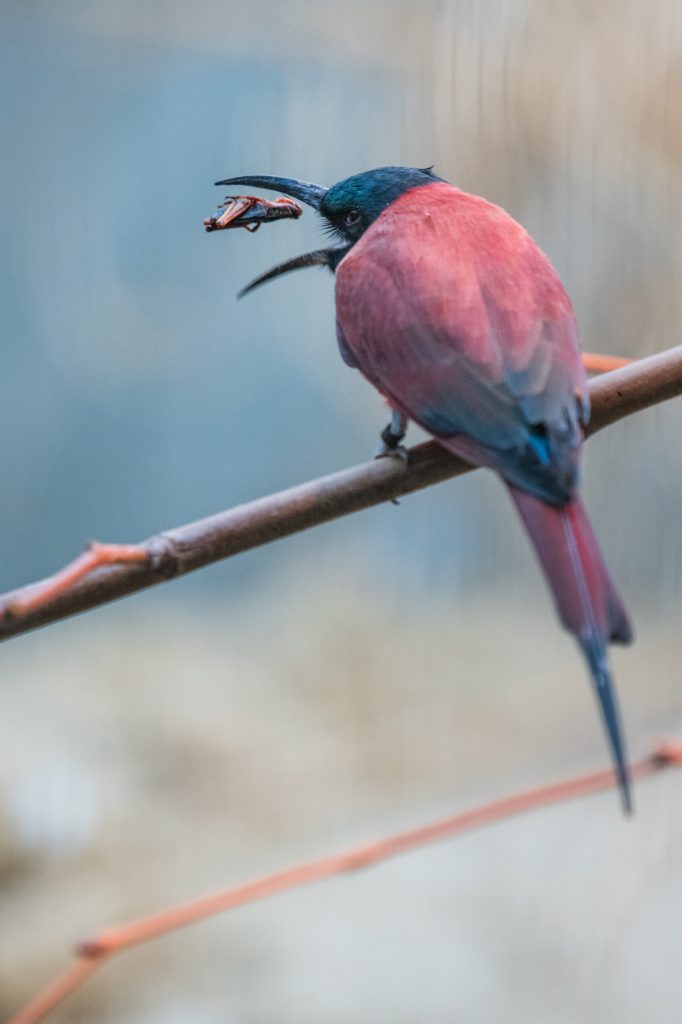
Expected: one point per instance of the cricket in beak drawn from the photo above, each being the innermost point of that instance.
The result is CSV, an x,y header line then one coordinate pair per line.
x,y
261,211
250,212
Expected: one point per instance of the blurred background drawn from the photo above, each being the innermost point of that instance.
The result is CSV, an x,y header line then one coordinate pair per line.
x,y
395,666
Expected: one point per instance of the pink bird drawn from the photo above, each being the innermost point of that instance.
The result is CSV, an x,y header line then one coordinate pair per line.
x,y
449,308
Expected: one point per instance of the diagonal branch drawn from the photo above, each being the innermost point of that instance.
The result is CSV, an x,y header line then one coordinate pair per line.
x,y
185,548
94,951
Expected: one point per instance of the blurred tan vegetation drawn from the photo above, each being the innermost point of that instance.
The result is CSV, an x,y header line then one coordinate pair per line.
x,y
384,670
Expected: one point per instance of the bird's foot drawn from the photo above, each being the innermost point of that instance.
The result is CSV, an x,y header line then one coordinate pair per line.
x,y
391,447
398,451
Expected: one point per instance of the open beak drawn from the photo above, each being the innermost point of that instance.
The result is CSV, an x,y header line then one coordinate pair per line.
x,y
304,190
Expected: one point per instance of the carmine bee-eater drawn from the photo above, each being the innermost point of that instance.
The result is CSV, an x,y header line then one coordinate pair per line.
x,y
450,309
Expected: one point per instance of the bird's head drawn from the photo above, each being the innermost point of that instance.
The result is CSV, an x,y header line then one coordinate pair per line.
x,y
348,208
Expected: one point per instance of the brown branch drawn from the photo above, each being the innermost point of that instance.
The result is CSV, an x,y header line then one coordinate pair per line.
x,y
93,952
185,548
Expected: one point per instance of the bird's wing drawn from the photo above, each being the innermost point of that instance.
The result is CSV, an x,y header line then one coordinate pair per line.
x,y
450,309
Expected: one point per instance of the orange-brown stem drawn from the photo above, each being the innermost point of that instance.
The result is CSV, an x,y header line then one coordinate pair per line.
x,y
96,556
57,991
596,363
112,939
93,952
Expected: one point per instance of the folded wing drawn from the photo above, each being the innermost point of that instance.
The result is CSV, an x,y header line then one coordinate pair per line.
x,y
450,309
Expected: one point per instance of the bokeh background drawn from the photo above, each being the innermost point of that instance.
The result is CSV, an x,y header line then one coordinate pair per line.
x,y
389,668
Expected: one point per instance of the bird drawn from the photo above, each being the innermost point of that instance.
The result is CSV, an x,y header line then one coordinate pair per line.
x,y
451,310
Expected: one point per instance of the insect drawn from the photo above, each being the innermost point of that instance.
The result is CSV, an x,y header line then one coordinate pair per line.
x,y
250,212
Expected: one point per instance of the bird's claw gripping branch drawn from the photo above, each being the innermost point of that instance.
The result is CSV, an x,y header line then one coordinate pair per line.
x,y
250,212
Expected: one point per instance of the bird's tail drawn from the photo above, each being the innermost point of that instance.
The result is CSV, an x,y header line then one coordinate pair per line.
x,y
586,600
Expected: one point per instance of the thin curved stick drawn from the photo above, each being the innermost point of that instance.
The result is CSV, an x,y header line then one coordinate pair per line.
x,y
186,548
94,951
57,991
594,362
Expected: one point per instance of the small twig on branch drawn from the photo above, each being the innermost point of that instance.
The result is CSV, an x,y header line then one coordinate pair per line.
x,y
176,552
93,952
594,362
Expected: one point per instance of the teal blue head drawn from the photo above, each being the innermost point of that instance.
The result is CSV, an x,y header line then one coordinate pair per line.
x,y
349,207
353,204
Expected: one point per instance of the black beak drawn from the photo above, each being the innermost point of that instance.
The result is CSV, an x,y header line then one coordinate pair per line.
x,y
307,193
303,190
319,258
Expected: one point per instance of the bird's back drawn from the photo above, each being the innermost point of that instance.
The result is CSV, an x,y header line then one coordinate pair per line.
x,y
451,309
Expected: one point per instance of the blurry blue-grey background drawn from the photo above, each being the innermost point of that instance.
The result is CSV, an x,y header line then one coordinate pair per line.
x,y
401,663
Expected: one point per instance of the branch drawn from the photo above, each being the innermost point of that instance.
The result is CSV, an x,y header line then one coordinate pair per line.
x,y
93,952
185,548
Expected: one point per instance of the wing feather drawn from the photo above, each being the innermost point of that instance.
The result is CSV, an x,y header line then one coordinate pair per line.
x,y
452,311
